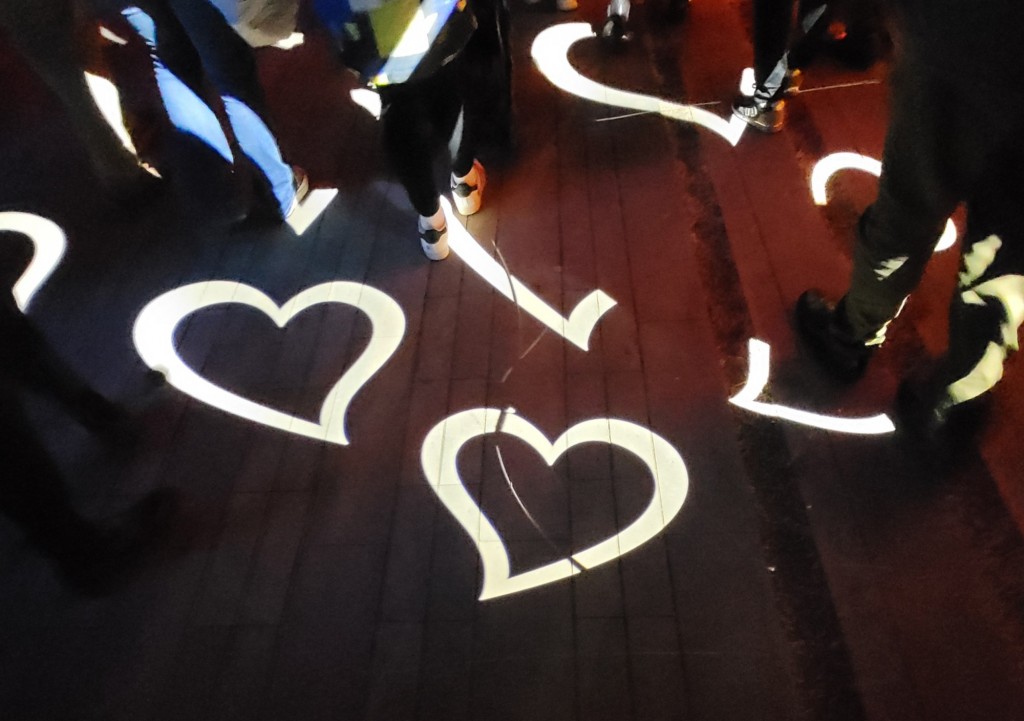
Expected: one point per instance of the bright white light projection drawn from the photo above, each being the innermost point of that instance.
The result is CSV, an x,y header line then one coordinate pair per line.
x,y
154,340
576,328
49,244
108,100
757,379
310,209
439,457
828,166
551,53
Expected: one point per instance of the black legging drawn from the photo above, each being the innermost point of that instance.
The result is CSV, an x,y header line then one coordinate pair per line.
x,y
418,118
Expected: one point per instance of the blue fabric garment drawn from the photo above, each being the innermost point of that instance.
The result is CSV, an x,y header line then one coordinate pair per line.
x,y
186,110
228,63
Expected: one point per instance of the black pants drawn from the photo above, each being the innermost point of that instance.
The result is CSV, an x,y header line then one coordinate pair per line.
x,y
32,492
418,119
952,138
773,23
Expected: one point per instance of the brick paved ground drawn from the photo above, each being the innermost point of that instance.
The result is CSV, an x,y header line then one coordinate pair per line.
x,y
809,575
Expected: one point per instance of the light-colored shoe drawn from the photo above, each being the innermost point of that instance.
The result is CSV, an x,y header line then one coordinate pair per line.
x,y
567,5
468,191
434,242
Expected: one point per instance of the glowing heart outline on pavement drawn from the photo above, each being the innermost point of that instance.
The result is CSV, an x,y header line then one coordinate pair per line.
x,y
439,458
49,244
550,51
153,334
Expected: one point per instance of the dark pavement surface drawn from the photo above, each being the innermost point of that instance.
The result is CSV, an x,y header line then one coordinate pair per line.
x,y
808,575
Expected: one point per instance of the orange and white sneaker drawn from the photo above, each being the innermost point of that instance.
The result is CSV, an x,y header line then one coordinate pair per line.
x,y
468,191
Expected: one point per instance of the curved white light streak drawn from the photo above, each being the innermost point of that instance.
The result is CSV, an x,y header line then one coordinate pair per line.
x,y
439,457
108,100
828,166
49,244
576,329
551,53
153,334
757,379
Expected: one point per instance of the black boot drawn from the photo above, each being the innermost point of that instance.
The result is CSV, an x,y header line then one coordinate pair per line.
x,y
825,330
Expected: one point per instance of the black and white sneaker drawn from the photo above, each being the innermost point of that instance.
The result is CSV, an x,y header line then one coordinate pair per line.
x,y
768,116
468,191
433,241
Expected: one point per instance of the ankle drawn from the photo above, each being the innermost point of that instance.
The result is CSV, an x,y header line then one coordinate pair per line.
x,y
433,222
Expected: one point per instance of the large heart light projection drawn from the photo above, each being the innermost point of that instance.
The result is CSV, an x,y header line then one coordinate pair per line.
x,y
154,340
440,464
550,52
48,246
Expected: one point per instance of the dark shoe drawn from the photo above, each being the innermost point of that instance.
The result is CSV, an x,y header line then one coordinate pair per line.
x,y
265,210
824,330
926,419
613,31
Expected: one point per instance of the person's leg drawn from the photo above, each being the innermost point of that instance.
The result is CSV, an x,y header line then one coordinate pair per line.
x,y
32,493
773,20
229,63
927,165
987,308
43,30
469,77
177,70
411,137
933,153
764,109
28,361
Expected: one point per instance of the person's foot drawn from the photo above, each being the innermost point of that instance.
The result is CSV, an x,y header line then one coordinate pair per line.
x,y
264,209
768,116
468,190
434,236
823,327
300,182
613,30
926,417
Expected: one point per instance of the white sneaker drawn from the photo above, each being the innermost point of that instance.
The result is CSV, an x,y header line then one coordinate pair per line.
x,y
433,241
468,191
567,5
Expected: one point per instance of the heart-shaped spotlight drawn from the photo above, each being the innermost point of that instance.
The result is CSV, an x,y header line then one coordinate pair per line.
x,y
439,457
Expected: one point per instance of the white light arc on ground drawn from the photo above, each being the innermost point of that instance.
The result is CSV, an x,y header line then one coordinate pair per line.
x,y
828,166
550,52
49,245
439,457
581,321
757,379
154,340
